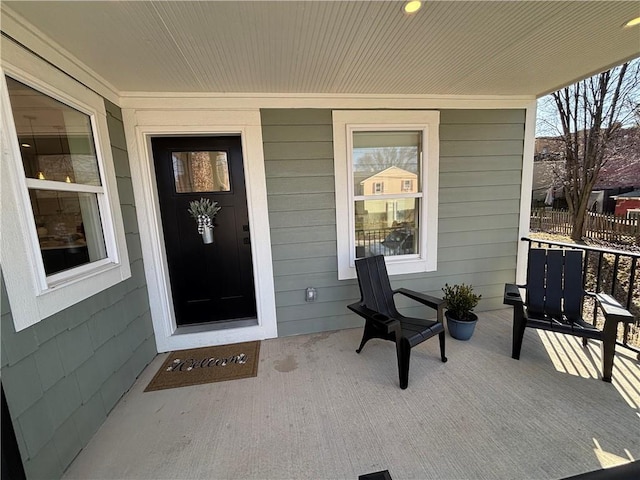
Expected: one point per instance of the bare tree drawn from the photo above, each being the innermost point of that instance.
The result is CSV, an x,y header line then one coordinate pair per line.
x,y
589,116
381,158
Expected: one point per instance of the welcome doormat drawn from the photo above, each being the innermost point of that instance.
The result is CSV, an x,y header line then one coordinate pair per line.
x,y
205,365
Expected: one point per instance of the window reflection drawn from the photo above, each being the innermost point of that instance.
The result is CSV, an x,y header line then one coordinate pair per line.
x,y
386,227
391,158
386,165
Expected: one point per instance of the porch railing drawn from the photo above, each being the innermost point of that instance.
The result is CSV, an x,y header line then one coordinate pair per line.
x,y
368,241
610,271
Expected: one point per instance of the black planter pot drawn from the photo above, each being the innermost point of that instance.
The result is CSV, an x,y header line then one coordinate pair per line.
x,y
461,329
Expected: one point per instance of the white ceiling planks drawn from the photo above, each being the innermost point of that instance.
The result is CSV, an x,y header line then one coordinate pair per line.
x,y
340,47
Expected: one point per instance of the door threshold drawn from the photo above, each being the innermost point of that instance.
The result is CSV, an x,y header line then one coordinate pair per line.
x,y
214,326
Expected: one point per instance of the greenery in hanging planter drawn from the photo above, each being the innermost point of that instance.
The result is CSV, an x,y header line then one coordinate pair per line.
x,y
204,206
204,212
461,301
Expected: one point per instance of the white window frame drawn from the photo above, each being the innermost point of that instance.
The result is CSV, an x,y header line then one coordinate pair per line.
x,y
407,185
345,122
33,295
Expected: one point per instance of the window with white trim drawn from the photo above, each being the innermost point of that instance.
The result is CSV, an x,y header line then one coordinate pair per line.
x,y
63,237
386,174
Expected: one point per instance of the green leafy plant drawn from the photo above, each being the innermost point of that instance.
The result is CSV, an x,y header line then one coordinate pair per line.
x,y
460,300
204,212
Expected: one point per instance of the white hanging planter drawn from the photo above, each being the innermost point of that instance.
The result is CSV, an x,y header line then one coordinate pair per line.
x,y
207,235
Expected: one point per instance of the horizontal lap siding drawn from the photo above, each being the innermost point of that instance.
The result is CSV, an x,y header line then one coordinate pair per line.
x,y
298,150
479,198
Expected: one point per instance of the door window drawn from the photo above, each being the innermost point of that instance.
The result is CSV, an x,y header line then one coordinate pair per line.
x,y
195,172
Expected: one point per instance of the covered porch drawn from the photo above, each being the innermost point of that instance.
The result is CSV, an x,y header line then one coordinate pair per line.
x,y
318,410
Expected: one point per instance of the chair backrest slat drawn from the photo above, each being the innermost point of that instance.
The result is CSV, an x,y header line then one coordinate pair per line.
x,y
573,288
375,287
535,280
554,283
553,289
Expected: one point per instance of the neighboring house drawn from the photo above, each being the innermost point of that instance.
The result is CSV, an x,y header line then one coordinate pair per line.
x,y
620,172
391,180
112,112
628,204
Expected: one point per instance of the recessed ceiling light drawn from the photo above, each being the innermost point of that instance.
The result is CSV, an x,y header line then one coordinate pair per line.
x,y
412,7
633,22
25,145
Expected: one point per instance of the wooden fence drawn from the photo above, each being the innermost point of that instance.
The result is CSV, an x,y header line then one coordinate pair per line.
x,y
599,226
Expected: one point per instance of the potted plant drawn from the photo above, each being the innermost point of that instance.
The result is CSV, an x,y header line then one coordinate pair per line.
x,y
461,321
204,212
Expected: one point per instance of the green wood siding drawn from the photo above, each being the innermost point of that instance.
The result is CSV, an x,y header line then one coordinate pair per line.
x,y
63,375
479,199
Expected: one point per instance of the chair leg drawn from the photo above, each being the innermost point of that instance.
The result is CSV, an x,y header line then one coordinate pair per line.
x,y
519,324
442,356
367,334
403,350
608,348
585,341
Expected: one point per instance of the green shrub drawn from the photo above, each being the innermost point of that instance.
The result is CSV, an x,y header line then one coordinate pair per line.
x,y
460,300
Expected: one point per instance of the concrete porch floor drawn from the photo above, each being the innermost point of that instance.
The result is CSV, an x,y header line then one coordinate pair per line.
x,y
317,410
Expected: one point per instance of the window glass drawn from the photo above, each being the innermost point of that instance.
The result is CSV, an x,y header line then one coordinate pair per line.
x,y
386,164
69,228
56,141
387,227
201,172
388,157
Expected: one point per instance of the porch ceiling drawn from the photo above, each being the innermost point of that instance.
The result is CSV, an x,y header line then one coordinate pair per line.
x,y
330,47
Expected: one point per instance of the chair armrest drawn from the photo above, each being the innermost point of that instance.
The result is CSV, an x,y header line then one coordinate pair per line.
x,y
384,323
612,309
428,300
512,294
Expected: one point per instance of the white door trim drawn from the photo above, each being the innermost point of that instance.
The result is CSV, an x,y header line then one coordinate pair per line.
x,y
140,126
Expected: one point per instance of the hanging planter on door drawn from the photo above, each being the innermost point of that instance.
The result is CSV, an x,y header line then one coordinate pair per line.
x,y
204,212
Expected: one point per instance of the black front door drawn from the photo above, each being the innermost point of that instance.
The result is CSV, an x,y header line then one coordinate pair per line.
x,y
209,282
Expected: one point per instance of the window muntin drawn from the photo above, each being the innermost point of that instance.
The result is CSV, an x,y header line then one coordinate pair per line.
x,y
63,178
201,172
383,164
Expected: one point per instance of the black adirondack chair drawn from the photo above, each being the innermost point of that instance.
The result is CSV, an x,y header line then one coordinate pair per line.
x,y
382,319
554,300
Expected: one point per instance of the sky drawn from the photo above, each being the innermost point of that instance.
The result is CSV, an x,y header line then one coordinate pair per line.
x,y
548,125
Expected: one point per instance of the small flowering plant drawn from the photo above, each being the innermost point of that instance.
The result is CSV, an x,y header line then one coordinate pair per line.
x,y
204,212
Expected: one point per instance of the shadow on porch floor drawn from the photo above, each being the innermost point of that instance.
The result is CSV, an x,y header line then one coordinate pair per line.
x,y
318,410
